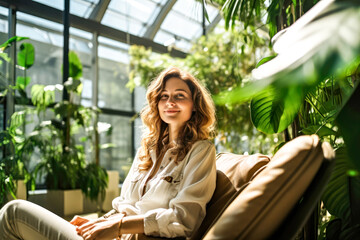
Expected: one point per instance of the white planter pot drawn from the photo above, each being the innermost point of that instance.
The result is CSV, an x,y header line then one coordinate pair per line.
x,y
21,189
112,190
65,202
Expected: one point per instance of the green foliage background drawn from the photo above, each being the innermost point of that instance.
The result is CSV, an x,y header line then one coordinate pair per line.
x,y
222,61
309,85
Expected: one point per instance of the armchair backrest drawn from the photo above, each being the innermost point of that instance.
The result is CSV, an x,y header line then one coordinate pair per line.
x,y
257,205
233,173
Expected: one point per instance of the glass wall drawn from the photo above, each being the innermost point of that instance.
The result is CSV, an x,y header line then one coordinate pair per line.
x,y
118,157
156,24
113,76
114,99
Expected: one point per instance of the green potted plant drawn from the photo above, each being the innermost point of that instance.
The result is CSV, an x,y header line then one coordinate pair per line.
x,y
60,141
56,139
14,172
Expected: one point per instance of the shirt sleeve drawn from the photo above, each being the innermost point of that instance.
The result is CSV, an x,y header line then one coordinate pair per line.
x,y
187,210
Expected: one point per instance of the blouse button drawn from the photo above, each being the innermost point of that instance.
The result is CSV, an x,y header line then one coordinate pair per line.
x,y
169,158
161,167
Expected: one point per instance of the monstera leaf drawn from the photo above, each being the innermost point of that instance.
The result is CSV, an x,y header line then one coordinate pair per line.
x,y
322,43
342,197
273,111
336,195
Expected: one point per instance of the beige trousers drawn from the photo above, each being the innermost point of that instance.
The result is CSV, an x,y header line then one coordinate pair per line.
x,y
24,220
21,219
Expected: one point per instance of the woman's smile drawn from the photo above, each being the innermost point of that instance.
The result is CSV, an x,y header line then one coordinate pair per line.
x,y
170,111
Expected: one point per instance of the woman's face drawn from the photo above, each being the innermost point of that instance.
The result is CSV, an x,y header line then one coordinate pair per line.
x,y
175,104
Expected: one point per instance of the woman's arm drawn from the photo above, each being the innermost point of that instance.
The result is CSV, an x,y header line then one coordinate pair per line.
x,y
132,224
110,228
187,209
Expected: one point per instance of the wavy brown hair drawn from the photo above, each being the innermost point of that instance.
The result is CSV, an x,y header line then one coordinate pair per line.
x,y
200,126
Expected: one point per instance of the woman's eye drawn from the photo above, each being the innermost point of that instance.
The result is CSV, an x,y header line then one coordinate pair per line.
x,y
164,96
180,95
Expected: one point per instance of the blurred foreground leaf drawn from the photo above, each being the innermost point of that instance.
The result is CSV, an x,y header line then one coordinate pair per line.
x,y
322,43
348,121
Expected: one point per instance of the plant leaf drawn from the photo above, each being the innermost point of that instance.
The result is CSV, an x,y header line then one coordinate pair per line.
x,y
354,194
264,60
205,12
333,229
73,85
4,56
22,82
10,41
272,110
26,55
321,131
75,66
336,197
350,233
348,121
41,97
321,43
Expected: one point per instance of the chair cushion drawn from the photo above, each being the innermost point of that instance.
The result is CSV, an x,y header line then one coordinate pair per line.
x,y
233,172
260,208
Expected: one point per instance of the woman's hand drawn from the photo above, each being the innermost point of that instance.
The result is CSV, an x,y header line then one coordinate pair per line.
x,y
101,228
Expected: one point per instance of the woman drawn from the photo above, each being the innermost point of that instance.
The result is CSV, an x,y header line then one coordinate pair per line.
x,y
169,184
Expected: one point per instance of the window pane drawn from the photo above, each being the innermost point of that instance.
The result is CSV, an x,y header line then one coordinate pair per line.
x,y
83,50
80,8
122,22
141,10
42,23
3,21
47,66
48,41
140,98
113,77
180,26
190,9
138,133
119,157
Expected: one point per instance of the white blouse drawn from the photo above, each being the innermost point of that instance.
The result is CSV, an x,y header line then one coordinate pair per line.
x,y
175,199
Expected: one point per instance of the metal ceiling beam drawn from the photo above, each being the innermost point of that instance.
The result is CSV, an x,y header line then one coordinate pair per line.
x,y
55,15
155,26
11,71
99,11
213,24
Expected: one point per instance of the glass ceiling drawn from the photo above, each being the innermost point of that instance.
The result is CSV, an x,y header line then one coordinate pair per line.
x,y
178,28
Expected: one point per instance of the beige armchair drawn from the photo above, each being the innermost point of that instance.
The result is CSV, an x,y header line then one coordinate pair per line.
x,y
277,199
261,198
